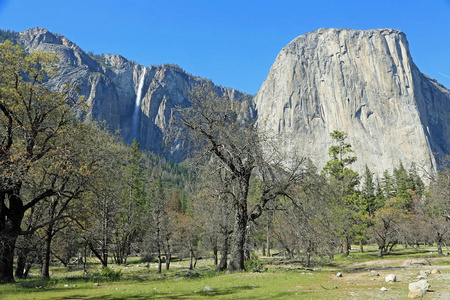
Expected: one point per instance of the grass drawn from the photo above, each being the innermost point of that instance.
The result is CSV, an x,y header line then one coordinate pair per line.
x,y
287,281
268,285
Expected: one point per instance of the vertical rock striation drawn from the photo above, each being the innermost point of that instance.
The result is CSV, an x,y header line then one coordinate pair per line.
x,y
361,82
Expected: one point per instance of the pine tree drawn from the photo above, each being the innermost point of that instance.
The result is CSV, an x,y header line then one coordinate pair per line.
x,y
401,181
345,180
368,192
336,168
387,186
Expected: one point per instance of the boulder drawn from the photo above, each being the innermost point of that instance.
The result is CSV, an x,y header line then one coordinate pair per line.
x,y
338,274
208,289
391,278
418,293
421,284
435,271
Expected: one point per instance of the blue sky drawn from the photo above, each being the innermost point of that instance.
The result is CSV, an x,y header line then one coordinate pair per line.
x,y
234,43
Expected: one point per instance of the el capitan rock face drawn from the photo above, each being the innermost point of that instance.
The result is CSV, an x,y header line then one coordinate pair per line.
x,y
111,83
361,82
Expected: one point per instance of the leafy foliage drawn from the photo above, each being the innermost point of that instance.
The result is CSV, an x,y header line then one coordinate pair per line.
x,y
110,273
253,264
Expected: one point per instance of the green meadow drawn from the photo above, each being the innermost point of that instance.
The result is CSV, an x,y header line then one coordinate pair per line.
x,y
280,278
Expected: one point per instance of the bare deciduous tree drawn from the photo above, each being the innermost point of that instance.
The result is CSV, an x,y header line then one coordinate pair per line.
x,y
215,127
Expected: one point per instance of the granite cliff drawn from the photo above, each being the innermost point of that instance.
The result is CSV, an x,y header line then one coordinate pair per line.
x,y
111,85
364,83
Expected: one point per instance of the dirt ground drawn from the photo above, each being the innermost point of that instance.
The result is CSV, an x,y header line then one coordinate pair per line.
x,y
367,286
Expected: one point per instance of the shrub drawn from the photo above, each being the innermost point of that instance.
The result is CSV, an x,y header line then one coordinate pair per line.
x,y
110,273
253,264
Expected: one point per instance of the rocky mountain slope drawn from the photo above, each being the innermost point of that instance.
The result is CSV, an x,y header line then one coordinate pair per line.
x,y
111,85
364,83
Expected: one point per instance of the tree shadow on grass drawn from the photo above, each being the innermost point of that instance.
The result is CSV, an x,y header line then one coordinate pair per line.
x,y
191,295
200,294
85,297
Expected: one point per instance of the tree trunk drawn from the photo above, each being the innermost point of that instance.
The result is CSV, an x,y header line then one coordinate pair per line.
x,y
159,261
98,255
21,263
27,269
168,254
191,257
392,246
10,221
247,242
308,253
361,248
104,250
7,245
79,258
85,260
45,270
308,259
345,245
224,258
380,251
168,259
439,245
239,234
215,255
268,239
288,253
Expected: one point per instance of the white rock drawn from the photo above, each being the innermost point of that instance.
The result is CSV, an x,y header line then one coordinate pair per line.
x,y
338,274
383,289
416,293
421,284
208,289
390,278
425,272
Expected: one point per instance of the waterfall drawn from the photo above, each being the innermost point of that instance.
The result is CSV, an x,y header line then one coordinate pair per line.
x,y
139,93
136,114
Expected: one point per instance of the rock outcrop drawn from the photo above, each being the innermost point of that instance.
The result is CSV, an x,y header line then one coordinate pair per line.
x,y
364,83
110,84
